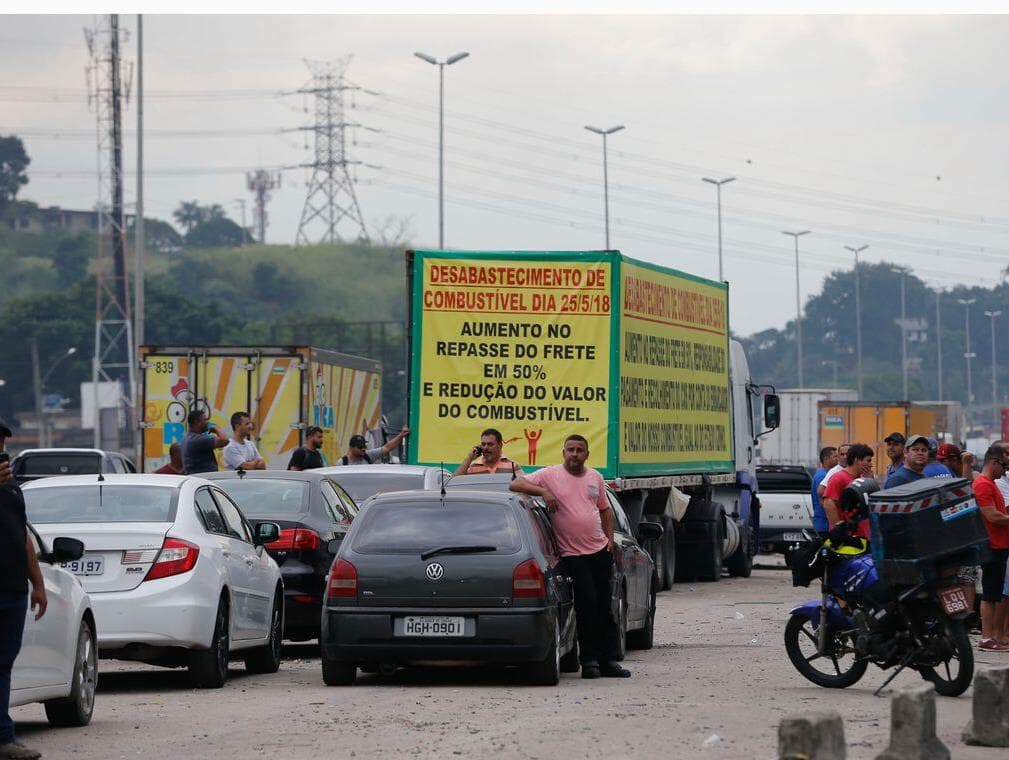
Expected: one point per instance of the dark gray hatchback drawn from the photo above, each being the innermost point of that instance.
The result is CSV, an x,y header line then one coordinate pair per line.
x,y
470,576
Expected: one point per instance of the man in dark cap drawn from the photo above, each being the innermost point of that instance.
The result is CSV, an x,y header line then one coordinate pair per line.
x,y
915,459
895,451
18,566
359,453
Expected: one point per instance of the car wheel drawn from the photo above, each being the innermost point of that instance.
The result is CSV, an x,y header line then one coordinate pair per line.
x,y
337,673
644,638
548,672
667,572
76,709
622,624
266,659
208,669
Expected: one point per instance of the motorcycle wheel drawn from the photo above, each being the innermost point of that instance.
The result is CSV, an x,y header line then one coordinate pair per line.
x,y
955,670
837,669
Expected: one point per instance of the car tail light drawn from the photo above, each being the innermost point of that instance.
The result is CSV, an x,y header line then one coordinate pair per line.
x,y
528,581
176,557
342,580
295,538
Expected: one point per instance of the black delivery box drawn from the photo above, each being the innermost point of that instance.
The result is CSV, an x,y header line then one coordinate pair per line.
x,y
916,524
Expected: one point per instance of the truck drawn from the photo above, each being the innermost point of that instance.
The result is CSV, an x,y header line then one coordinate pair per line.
x,y
633,356
284,389
797,439
869,422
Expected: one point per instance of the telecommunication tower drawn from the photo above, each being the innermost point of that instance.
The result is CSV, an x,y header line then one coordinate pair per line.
x,y
331,198
113,358
261,182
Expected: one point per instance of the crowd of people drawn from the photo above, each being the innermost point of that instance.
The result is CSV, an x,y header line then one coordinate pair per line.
x,y
915,458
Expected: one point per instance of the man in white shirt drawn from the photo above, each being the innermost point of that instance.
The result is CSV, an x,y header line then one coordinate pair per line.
x,y
842,457
241,452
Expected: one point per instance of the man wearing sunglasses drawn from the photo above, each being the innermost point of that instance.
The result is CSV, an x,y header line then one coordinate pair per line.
x,y
994,629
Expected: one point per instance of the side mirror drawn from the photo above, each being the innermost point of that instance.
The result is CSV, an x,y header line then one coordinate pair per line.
x,y
334,545
67,549
649,531
772,411
266,533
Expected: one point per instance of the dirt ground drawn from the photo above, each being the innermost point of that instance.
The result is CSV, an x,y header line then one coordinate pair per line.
x,y
716,685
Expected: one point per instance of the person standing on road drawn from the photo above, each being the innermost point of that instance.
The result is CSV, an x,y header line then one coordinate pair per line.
x,y
960,463
842,454
241,452
309,456
828,459
583,522
18,566
489,454
895,443
199,444
915,459
935,468
174,464
858,464
994,633
359,453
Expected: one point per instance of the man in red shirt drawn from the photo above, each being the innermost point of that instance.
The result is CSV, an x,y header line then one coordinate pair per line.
x,y
174,464
994,631
858,464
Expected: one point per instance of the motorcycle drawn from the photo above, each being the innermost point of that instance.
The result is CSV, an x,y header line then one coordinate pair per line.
x,y
860,619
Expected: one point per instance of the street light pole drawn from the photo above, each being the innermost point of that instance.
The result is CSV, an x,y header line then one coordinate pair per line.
x,y
967,352
938,340
39,382
994,387
903,332
718,187
858,318
441,134
798,303
606,175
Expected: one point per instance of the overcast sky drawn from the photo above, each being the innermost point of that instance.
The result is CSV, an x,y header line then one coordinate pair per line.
x,y
881,130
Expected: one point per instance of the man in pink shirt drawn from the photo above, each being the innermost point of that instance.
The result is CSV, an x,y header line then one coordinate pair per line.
x,y
583,522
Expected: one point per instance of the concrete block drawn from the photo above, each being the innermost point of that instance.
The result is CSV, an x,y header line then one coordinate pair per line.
x,y
989,725
912,726
812,736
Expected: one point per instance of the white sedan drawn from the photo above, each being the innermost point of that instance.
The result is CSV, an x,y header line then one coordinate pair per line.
x,y
58,664
176,574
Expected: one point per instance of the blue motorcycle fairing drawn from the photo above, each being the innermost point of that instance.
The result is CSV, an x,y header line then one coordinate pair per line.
x,y
835,615
853,576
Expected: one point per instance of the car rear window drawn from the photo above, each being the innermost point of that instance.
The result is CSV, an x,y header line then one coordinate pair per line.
x,y
63,464
361,486
415,528
784,482
99,504
259,497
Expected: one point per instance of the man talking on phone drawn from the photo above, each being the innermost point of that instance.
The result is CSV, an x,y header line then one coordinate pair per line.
x,y
489,455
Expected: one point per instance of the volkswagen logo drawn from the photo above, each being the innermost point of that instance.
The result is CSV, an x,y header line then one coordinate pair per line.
x,y
434,571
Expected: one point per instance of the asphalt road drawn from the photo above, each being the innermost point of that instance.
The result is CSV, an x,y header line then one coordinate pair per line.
x,y
716,685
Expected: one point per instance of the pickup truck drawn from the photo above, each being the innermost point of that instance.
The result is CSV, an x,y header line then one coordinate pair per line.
x,y
786,506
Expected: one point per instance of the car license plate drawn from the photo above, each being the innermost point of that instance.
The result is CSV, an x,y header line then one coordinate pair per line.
x,y
792,537
434,626
953,600
85,565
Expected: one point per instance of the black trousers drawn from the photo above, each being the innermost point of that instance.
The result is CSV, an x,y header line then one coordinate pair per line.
x,y
597,629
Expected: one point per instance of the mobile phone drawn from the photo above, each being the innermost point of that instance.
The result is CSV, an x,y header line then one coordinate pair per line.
x,y
477,451
4,456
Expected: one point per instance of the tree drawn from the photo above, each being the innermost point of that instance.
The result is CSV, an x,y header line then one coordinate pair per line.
x,y
217,231
189,214
158,236
71,257
13,162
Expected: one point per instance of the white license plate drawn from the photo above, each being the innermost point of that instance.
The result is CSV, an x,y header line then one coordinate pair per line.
x,y
85,566
792,537
953,600
434,626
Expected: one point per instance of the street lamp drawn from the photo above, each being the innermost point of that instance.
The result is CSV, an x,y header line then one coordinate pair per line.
x,y
967,352
994,388
798,304
903,329
441,134
718,187
40,382
938,340
858,318
606,178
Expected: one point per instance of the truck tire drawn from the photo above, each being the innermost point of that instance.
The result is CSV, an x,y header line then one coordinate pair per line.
x,y
740,564
667,570
699,542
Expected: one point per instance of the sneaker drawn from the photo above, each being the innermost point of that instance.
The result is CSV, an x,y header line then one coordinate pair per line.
x,y
990,645
614,670
15,750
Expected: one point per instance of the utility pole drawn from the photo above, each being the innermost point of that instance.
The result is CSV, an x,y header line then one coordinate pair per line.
x,y
798,303
903,332
994,387
858,318
331,196
938,340
718,187
138,246
245,230
968,354
37,384
260,182
606,175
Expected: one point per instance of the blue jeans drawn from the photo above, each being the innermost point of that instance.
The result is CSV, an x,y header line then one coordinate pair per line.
x,y
13,607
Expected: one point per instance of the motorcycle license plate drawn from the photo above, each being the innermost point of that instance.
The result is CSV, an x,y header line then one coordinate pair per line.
x,y
953,600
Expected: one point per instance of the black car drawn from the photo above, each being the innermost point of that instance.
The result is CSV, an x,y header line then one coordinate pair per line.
x,y
635,581
32,464
312,511
469,576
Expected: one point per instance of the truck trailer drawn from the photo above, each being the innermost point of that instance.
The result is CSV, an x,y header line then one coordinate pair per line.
x,y
284,389
633,356
797,439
